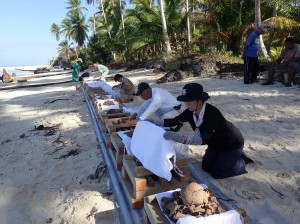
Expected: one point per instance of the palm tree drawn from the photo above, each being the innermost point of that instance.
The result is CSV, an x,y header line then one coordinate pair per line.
x,y
164,27
94,14
79,27
75,5
64,49
55,30
66,27
258,22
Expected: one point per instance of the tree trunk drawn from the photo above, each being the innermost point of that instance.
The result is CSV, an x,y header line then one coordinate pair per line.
x,y
164,27
258,22
188,27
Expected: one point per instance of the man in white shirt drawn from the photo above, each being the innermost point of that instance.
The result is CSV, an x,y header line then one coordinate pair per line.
x,y
157,102
103,72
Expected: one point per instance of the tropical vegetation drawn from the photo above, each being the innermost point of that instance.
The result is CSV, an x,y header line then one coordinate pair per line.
x,y
146,29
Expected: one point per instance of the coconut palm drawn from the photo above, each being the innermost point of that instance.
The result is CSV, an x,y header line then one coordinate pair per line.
x,y
75,5
55,30
94,14
164,27
64,49
258,22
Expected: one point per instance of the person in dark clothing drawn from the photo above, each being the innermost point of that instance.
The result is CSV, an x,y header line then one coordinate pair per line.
x,y
224,154
250,54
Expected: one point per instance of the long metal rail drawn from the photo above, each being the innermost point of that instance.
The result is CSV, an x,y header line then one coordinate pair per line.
x,y
127,214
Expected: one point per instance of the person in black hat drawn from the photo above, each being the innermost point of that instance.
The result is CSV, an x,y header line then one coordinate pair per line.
x,y
157,102
224,154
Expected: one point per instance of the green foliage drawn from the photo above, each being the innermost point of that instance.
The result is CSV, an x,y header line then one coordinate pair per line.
x,y
275,52
218,28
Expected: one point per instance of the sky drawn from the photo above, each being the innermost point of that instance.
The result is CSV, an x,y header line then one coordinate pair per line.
x,y
25,37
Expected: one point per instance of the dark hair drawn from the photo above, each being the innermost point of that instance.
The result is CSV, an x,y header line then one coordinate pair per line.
x,y
289,39
117,77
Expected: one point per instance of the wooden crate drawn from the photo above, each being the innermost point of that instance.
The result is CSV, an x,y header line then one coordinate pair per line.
x,y
111,126
139,182
155,215
118,149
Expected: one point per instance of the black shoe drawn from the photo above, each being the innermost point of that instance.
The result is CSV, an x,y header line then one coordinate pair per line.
x,y
177,128
246,158
267,83
288,84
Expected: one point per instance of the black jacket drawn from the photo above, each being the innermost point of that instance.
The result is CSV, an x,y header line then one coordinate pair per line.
x,y
218,133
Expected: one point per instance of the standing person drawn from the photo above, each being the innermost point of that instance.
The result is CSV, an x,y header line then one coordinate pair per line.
x,y
75,73
157,102
250,55
103,71
125,90
224,154
288,61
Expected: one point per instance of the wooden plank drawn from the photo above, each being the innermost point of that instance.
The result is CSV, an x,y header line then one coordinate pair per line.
x,y
139,184
153,212
128,189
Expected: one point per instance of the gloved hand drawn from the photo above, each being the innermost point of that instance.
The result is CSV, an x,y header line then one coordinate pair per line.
x,y
171,135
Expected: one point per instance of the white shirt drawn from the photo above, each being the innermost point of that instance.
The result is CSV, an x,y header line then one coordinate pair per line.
x,y
161,100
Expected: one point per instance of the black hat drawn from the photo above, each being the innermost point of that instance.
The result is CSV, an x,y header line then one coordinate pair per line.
x,y
141,87
193,91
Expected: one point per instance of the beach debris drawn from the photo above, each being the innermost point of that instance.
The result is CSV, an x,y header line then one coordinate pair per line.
x,y
22,136
6,78
6,141
55,100
73,152
42,127
99,173
49,220
193,200
59,141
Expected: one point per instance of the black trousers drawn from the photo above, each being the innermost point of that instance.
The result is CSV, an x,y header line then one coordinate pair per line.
x,y
223,164
251,66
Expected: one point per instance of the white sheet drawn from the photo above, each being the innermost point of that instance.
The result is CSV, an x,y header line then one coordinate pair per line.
x,y
229,217
103,85
116,105
152,150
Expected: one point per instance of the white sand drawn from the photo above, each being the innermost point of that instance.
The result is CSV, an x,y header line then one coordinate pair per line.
x,y
36,186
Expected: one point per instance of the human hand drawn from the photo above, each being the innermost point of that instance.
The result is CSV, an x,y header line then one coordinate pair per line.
x,y
171,135
133,122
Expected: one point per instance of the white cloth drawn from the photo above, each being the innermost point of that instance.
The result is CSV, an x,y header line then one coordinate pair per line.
x,y
160,101
126,140
128,110
103,85
152,150
229,217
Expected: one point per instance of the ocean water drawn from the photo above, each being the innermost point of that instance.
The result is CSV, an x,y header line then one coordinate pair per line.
x,y
14,69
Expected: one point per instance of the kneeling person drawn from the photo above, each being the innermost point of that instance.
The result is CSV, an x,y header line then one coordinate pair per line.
x,y
223,156
157,102
125,90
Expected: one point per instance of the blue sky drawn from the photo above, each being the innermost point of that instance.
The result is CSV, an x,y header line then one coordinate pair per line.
x,y
25,37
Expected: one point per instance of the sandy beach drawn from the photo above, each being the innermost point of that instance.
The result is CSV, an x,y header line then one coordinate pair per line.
x,y
47,175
